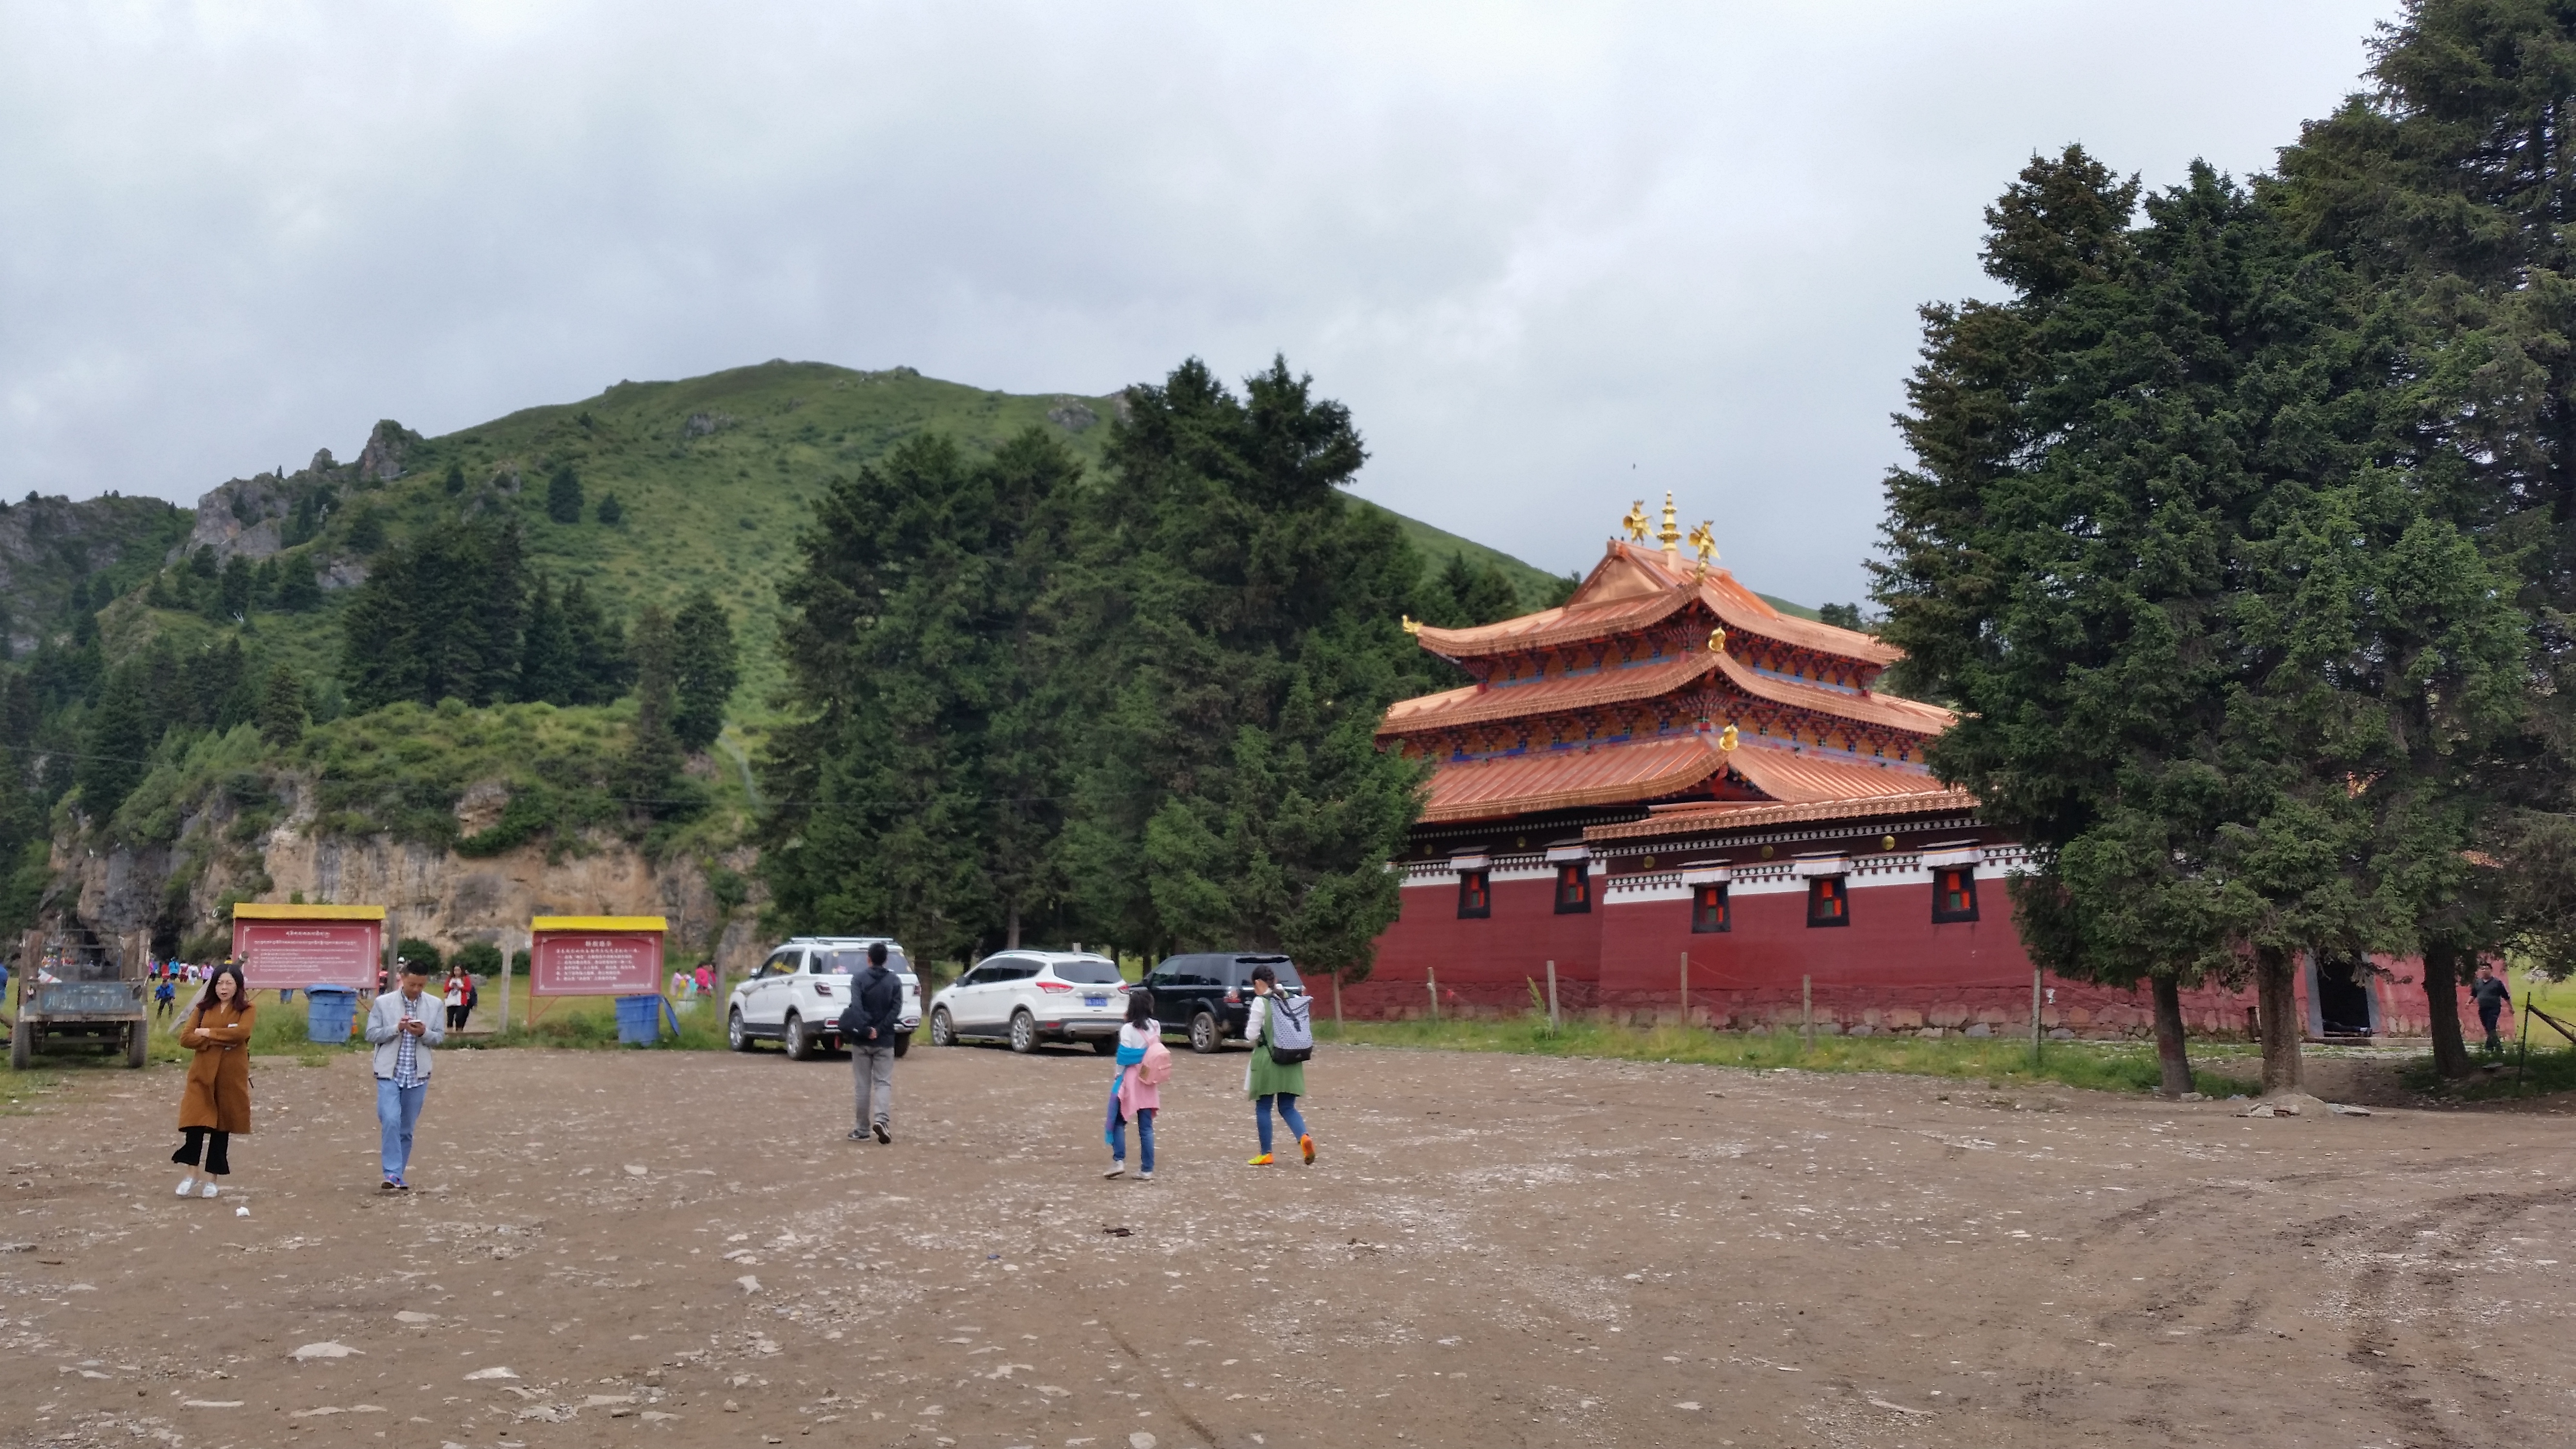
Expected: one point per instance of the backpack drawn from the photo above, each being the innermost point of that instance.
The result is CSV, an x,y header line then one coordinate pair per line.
x,y
1292,1031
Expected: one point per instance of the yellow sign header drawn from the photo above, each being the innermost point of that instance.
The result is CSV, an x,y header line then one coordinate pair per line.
x,y
264,911
600,923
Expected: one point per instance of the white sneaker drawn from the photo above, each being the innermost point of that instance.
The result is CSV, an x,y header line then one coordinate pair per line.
x,y
1118,1171
209,1192
1146,1176
186,1183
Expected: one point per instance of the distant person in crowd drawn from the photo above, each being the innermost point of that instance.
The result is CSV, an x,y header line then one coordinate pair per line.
x,y
1137,1091
165,999
706,978
1269,1079
216,1103
2491,995
679,985
458,984
868,1027
403,1026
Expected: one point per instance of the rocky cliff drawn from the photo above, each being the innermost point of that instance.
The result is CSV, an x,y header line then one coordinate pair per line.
x,y
434,894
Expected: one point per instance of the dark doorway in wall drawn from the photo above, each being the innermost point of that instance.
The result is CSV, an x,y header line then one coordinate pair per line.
x,y
2343,995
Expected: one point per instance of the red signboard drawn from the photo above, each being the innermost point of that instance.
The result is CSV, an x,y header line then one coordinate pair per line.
x,y
292,955
595,963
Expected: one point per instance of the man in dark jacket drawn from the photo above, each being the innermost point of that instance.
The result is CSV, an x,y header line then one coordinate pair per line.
x,y
868,1028
2490,993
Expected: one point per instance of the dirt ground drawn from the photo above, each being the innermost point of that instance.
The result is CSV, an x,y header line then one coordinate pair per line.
x,y
680,1249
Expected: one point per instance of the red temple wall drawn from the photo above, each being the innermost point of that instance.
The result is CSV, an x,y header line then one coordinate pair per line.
x,y
1892,970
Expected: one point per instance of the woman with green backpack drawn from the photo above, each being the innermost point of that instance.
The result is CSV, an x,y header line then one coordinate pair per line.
x,y
1282,1038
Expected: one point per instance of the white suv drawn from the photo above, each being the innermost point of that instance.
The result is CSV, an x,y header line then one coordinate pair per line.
x,y
799,993
1025,997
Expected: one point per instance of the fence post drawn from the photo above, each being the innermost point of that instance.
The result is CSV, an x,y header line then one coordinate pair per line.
x,y
1552,1020
1807,1007
1431,983
2034,1015
1685,991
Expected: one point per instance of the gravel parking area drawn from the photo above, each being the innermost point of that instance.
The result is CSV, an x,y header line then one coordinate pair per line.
x,y
679,1248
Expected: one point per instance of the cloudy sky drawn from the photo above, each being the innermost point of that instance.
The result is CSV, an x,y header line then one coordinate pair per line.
x,y
1554,256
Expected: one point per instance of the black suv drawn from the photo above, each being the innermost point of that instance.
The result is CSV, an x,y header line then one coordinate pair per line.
x,y
1212,992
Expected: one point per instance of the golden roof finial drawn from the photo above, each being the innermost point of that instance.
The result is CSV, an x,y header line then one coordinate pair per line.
x,y
1704,539
1670,534
1412,625
1636,521
1726,740
1717,641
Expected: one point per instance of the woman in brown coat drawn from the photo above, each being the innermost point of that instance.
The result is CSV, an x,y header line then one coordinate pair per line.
x,y
217,1103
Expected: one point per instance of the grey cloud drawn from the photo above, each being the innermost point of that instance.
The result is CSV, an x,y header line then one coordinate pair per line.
x,y
1555,257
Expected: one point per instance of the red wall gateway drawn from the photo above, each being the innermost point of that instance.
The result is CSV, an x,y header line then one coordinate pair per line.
x,y
290,948
596,955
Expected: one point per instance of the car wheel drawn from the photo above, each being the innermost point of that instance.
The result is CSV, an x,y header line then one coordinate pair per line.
x,y
902,1044
735,1036
1205,1035
138,1042
943,1032
1107,1046
1024,1033
800,1047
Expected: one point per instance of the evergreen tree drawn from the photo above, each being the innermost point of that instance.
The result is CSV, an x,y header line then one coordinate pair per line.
x,y
602,667
706,667
918,796
2155,547
298,591
281,707
440,615
563,495
548,669
611,511
455,478
652,767
1229,638
115,747
238,588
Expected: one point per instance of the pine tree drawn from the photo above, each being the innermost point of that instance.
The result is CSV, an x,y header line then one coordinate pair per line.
x,y
610,511
455,478
439,615
114,749
602,666
548,669
706,667
563,495
653,758
281,707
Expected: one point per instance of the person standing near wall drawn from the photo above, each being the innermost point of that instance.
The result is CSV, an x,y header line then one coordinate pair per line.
x,y
403,1026
216,1103
868,1027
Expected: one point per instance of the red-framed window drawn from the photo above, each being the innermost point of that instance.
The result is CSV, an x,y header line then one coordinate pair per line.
x,y
1708,909
1954,894
1573,888
1829,901
1475,896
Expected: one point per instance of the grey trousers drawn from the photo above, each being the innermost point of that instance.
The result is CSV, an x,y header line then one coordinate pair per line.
x,y
872,1071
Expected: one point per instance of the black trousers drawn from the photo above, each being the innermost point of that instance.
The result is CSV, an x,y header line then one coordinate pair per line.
x,y
218,1150
2487,1018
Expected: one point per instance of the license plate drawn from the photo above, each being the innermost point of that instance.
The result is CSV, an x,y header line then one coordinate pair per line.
x,y
1095,1001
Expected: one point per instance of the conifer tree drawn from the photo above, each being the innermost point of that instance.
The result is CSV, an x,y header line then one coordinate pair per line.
x,y
439,615
115,747
548,670
706,667
652,766
563,495
602,668
281,707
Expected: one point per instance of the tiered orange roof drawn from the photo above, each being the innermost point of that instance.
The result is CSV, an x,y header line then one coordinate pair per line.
x,y
1661,680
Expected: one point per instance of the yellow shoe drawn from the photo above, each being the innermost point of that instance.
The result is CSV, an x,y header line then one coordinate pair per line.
x,y
1262,1161
1306,1144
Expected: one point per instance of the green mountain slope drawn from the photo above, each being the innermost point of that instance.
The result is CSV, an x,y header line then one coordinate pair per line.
x,y
712,477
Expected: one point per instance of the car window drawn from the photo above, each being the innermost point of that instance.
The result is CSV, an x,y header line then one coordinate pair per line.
x,y
1088,973
975,977
1019,970
1167,974
1285,970
779,963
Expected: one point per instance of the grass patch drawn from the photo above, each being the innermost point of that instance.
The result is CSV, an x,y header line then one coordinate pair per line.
x,y
1995,1060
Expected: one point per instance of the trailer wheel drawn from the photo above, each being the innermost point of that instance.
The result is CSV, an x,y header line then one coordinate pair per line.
x,y
138,1040
22,1046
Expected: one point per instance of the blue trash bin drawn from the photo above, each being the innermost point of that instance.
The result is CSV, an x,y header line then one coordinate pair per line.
x,y
327,1013
639,1020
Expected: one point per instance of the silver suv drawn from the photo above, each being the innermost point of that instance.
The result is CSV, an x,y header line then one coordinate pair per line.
x,y
798,994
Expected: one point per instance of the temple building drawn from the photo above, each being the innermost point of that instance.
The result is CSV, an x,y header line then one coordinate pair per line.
x,y
1687,800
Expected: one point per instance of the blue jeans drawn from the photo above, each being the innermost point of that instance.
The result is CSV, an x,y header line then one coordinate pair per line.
x,y
1144,1139
397,1112
1287,1114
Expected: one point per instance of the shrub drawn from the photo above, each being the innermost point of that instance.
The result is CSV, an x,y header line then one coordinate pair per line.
x,y
419,953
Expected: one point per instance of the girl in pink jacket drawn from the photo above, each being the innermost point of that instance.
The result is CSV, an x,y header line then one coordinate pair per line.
x,y
1143,1065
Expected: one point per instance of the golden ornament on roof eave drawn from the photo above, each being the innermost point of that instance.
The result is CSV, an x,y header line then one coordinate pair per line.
x,y
1635,521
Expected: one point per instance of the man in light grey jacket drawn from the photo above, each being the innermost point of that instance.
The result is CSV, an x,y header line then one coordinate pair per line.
x,y
403,1026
